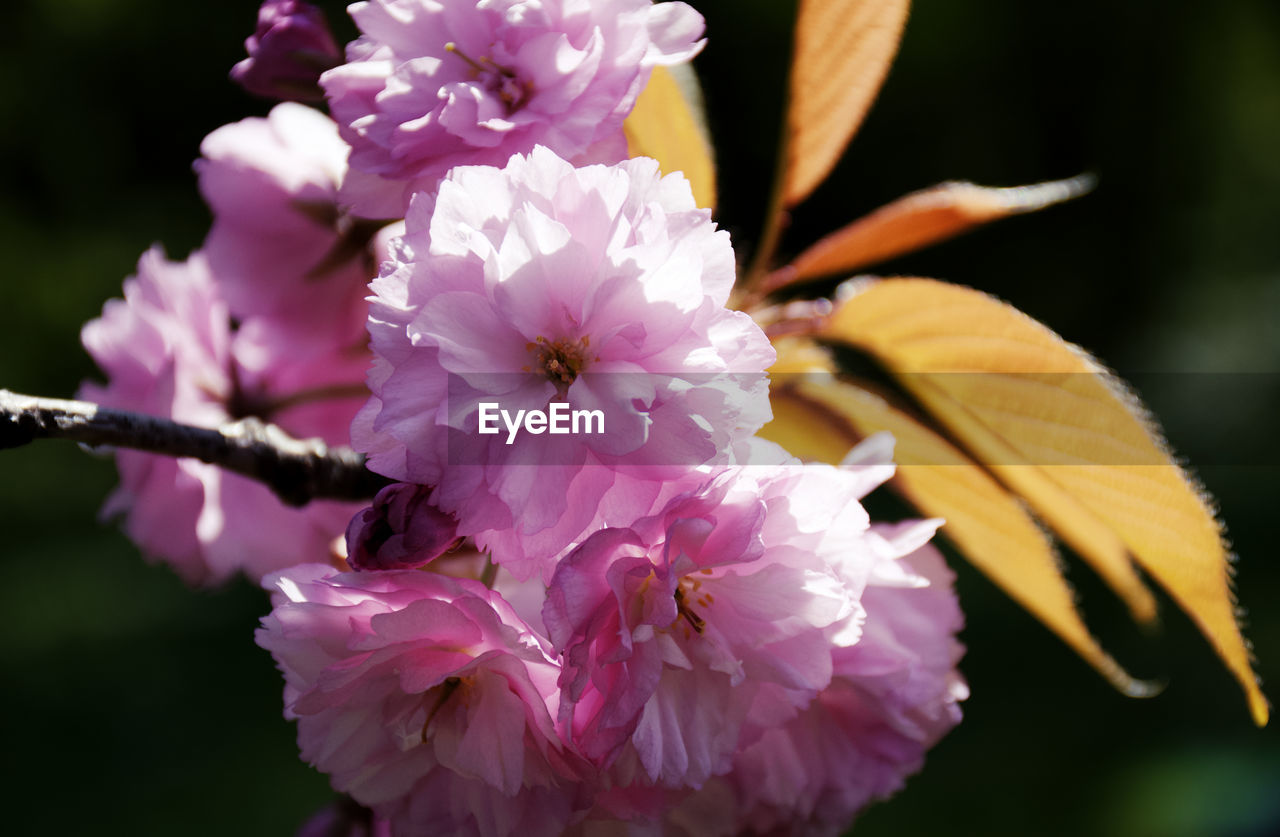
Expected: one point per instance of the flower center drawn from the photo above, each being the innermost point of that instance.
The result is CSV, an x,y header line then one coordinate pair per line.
x,y
561,360
689,590
497,78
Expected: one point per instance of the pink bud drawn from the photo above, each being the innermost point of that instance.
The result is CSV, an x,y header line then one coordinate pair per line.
x,y
288,51
345,818
400,530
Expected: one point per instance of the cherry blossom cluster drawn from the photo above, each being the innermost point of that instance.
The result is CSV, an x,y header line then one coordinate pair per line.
x,y
266,319
669,626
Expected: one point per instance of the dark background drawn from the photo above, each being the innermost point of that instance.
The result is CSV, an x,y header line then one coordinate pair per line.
x,y
133,705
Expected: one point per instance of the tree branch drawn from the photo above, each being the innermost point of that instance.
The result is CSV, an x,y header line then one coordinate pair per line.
x,y
297,470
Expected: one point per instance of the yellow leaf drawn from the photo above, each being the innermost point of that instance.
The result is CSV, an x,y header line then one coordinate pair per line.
x,y
798,355
818,417
666,124
1056,428
919,220
843,49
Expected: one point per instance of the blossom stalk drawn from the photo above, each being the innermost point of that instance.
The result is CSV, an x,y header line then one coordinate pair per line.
x,y
297,470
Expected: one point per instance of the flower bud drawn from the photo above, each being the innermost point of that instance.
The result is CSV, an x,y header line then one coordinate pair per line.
x,y
400,530
344,818
288,51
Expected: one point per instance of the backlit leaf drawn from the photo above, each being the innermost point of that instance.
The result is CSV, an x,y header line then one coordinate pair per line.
x,y
818,417
843,49
1051,423
919,220
667,125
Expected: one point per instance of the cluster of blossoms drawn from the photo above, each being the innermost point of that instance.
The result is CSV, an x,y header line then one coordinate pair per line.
x,y
266,320
668,626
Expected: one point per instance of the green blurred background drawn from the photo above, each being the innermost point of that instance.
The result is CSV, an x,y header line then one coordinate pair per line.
x,y
133,705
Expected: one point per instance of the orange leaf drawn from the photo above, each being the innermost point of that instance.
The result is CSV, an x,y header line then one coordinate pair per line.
x,y
1056,428
819,417
919,220
843,49
667,125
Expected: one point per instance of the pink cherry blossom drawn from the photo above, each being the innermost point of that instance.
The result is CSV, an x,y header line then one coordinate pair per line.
x,y
267,320
291,265
600,288
284,253
426,698
168,350
431,85
894,692
686,633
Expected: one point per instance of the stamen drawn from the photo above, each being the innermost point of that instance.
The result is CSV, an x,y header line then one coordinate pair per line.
x,y
561,361
506,71
502,79
695,621
476,65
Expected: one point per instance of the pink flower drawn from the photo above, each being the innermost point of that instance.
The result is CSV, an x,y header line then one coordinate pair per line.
x,y
595,289
288,51
893,694
292,267
693,629
168,350
432,85
283,252
426,698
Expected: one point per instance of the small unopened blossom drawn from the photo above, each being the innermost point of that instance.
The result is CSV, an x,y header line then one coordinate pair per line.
x,y
168,349
424,697
599,289
400,530
344,818
288,51
432,85
709,619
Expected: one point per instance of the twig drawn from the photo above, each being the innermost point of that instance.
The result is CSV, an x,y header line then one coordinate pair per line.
x,y
297,470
